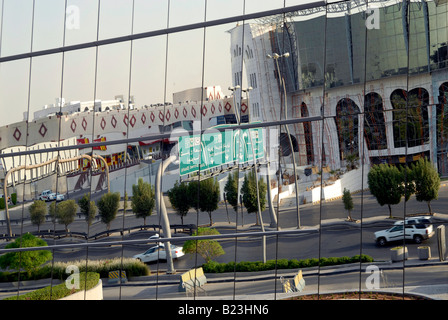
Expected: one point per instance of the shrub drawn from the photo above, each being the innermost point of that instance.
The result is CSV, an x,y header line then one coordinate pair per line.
x,y
132,267
86,282
248,266
14,198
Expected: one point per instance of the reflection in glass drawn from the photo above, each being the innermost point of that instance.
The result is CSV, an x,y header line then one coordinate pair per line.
x,y
48,30
183,13
81,21
115,18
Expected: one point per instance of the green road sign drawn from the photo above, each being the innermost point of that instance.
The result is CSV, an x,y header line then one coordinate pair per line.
x,y
218,148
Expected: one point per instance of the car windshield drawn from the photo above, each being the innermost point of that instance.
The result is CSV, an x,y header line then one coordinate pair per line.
x,y
396,228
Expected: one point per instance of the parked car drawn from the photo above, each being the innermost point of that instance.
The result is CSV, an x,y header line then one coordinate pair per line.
x,y
408,231
56,196
45,195
48,195
158,253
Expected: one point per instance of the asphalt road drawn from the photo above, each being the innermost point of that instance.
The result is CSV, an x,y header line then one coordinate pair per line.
x,y
332,240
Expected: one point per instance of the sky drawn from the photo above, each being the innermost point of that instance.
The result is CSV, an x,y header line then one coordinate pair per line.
x,y
140,69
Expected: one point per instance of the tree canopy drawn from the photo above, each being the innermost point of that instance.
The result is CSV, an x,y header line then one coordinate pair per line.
x,y
231,189
108,207
207,249
66,212
28,260
386,184
143,199
426,180
179,199
249,193
38,211
348,202
88,208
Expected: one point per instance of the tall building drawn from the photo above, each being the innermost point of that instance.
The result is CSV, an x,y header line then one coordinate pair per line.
x,y
381,87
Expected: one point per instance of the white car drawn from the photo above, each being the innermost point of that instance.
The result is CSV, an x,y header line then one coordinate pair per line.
x,y
400,232
45,195
422,222
56,196
158,253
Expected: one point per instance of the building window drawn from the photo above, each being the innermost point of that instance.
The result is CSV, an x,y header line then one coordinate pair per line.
x,y
410,117
347,125
374,124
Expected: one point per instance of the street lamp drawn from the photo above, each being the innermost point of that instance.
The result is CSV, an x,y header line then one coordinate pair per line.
x,y
276,56
233,89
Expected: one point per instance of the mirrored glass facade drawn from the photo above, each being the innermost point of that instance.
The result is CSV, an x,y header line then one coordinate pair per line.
x,y
202,150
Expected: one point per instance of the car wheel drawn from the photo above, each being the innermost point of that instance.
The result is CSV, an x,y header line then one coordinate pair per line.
x,y
418,239
381,242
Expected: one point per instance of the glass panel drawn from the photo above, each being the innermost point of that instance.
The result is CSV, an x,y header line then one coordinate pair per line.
x,y
112,119
150,15
48,31
186,12
219,9
16,40
14,96
252,6
115,18
81,23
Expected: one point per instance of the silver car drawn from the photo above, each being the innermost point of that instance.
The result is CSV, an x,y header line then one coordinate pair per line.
x,y
158,253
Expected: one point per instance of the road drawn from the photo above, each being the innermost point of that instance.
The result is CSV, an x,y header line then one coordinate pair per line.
x,y
270,286
331,240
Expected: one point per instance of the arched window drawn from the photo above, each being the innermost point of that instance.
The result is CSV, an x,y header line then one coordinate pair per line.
x,y
374,124
410,117
308,134
347,125
442,129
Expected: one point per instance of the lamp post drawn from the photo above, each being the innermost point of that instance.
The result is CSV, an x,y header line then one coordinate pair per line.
x,y
233,89
276,56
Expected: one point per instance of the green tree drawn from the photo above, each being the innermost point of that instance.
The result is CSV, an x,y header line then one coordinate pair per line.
x,y
194,194
38,211
66,212
207,249
231,189
28,260
125,202
143,199
204,196
386,184
88,208
209,196
52,211
348,202
426,180
249,193
179,199
108,207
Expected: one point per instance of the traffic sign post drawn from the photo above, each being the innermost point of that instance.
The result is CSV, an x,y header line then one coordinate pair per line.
x,y
214,149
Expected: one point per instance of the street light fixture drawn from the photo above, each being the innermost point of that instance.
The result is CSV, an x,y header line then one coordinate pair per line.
x,y
276,56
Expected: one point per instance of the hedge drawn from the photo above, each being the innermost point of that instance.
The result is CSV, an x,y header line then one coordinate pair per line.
x,y
60,291
252,266
132,267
